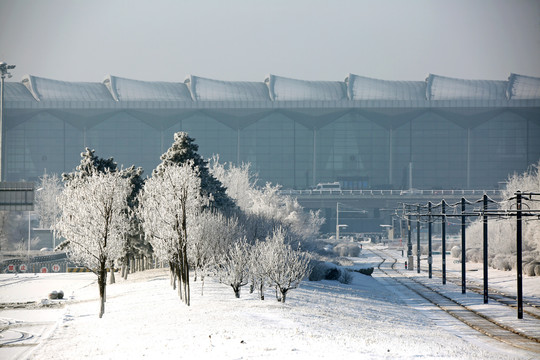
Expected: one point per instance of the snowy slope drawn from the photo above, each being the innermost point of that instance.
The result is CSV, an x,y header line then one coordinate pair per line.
x,y
370,319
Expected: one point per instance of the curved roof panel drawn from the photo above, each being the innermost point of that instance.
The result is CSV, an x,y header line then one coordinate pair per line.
x,y
523,87
17,92
203,89
123,89
445,88
47,89
364,88
286,89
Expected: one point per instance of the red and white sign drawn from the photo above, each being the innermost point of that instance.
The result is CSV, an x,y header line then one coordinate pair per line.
x,y
22,268
44,269
56,268
11,267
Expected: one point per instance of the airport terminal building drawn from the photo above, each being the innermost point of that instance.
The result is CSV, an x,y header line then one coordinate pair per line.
x,y
441,133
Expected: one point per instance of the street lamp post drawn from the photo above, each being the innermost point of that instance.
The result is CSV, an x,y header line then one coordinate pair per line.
x,y
4,67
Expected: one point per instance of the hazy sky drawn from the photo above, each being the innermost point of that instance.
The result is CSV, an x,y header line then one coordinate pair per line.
x,y
245,40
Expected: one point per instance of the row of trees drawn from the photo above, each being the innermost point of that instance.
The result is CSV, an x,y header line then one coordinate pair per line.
x,y
212,218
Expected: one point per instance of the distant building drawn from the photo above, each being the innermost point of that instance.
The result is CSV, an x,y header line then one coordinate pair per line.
x,y
362,132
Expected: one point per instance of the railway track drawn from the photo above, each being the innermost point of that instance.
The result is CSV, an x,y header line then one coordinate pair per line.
x,y
531,307
485,324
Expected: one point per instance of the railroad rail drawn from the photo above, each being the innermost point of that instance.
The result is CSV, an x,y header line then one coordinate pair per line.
x,y
530,306
485,324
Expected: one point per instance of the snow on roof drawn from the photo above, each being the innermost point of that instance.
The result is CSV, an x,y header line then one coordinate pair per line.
x,y
17,92
446,88
275,88
523,87
364,88
123,89
204,89
286,89
43,89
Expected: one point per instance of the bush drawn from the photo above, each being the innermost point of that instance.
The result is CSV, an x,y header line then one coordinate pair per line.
x,y
530,268
366,271
456,252
347,249
318,270
327,271
502,262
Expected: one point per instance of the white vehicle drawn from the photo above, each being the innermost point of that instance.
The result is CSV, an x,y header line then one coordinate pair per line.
x,y
335,186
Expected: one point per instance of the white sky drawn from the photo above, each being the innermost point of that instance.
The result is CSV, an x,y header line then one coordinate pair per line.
x,y
244,40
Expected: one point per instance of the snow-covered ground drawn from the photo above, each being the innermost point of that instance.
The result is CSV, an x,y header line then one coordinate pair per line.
x,y
372,318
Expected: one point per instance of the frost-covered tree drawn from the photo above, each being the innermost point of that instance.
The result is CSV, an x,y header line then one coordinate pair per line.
x,y
284,267
235,268
90,163
168,199
264,208
259,277
211,234
46,205
502,232
238,180
94,221
134,243
4,237
184,150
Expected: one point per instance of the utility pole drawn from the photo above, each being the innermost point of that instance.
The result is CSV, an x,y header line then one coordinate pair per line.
x,y
337,221
443,239
463,252
519,257
410,259
418,250
430,249
485,223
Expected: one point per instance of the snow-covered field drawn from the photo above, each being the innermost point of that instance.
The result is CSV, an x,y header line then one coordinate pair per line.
x,y
372,318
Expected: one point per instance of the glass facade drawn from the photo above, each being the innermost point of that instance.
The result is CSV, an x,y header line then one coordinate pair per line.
x,y
447,148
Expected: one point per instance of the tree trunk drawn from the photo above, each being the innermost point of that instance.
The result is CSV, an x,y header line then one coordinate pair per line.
x,y
283,294
202,285
278,295
261,290
102,283
125,268
186,276
112,280
236,290
173,275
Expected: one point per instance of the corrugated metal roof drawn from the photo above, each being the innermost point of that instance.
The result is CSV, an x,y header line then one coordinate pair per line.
x,y
286,89
356,91
17,92
203,89
445,88
43,89
364,88
522,87
123,89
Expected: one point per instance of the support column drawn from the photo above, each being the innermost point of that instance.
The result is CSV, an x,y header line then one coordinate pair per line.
x,y
485,223
463,252
430,249
314,157
418,249
390,159
519,259
443,236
